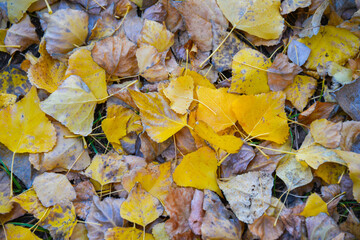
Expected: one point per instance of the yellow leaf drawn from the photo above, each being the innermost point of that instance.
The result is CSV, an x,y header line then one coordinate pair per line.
x,y
199,80
115,127
159,121
315,155
141,207
30,202
159,232
259,18
198,170
299,92
107,168
7,100
249,72
263,116
117,233
180,93
14,81
331,44
2,38
47,73
17,8
215,108
25,128
14,232
156,35
155,179
314,206
82,65
72,104
5,204
229,143
330,172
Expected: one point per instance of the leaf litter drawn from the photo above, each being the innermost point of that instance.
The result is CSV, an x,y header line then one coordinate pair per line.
x,y
214,119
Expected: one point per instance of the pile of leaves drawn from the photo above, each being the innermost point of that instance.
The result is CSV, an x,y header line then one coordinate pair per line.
x,y
212,119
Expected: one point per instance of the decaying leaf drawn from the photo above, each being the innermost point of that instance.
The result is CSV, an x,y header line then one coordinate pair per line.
x,y
249,194
266,228
5,204
339,73
299,92
322,225
14,81
349,93
127,233
311,26
237,163
318,110
326,133
85,192
7,100
298,52
30,202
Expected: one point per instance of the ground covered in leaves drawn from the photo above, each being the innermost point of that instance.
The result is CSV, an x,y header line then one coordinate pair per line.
x,y
211,119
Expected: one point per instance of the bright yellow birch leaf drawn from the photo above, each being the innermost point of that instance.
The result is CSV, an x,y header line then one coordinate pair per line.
x,y
82,65
198,170
180,92
156,35
17,8
14,232
117,233
249,72
299,92
228,143
331,44
72,104
155,179
259,18
115,128
141,207
7,100
314,206
330,172
159,121
25,128
30,202
2,38
215,108
47,73
199,80
107,168
315,155
263,116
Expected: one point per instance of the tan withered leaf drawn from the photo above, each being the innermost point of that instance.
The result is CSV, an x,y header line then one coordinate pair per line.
x,y
5,204
265,227
289,6
326,133
66,28
282,73
159,121
85,192
116,55
349,135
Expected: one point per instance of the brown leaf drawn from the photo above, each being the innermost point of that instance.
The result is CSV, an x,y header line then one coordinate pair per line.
x,y
350,136
293,222
173,19
197,212
185,142
85,192
351,225
151,149
116,55
322,225
349,93
178,206
156,12
329,192
133,25
265,228
22,33
346,186
326,133
282,73
92,6
318,110
151,63
237,163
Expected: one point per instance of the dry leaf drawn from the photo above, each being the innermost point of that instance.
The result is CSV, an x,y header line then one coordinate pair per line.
x,y
267,228
29,201
7,100
318,110
79,232
289,6
339,73
127,233
105,26
5,204
326,133
16,9
322,225
237,163
350,136
347,94
197,212
314,206
311,26
156,12
85,192
156,35
14,81
330,172
159,232
298,52
19,232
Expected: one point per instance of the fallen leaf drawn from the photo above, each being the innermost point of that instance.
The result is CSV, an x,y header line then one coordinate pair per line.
x,y
268,121
289,6
339,73
351,225
29,128
107,168
159,232
53,189
72,104
115,125
350,136
249,70
81,64
300,91
314,206
105,26
266,227
7,100
133,25
349,94
85,192
330,44
237,163
281,74
318,110
180,92
47,73
16,9
198,170
106,215
330,172
91,6
156,12
79,232
298,52
228,143
141,207
311,26
127,233
151,149
326,133
14,81
159,121
19,232
22,34
156,35
248,194
322,225
116,55
29,201
66,29
5,204
259,18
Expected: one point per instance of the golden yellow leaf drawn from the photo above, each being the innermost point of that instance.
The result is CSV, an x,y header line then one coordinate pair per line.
x,y
117,233
180,92
249,72
14,81
72,104
263,116
215,108
7,100
159,232
331,44
107,168
47,73
159,121
156,35
259,18
141,207
198,170
25,126
155,179
14,232
330,172
229,143
30,202
299,92
326,133
115,128
314,206
17,8
199,80
2,38
82,65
